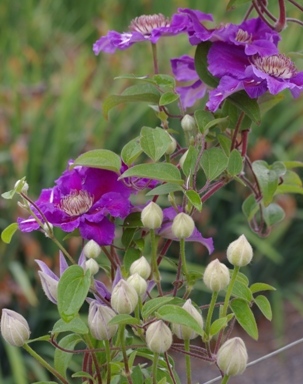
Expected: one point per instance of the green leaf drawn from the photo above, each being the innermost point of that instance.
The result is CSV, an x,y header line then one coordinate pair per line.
x,y
9,194
264,305
214,162
8,232
76,326
189,163
154,142
61,358
215,122
268,101
195,199
158,171
72,291
131,151
83,374
258,287
250,207
201,65
178,315
249,106
100,158
279,168
235,163
136,93
225,143
291,183
153,304
268,180
163,80
245,317
273,214
242,291
164,189
123,320
293,164
168,98
202,119
217,325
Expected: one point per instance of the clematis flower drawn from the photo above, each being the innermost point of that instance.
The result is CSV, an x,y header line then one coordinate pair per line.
x,y
166,231
83,198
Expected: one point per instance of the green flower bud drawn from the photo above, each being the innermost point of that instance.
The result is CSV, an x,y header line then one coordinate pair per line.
x,y
92,266
182,331
239,252
142,267
172,146
152,216
183,226
21,186
188,123
14,328
124,298
48,229
138,283
232,357
216,276
182,159
91,249
98,318
158,337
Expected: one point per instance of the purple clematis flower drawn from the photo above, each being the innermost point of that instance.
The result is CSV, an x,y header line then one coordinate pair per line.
x,y
83,198
166,232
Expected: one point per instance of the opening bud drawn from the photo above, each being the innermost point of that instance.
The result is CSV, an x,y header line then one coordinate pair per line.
x,y
48,229
216,276
172,146
159,337
183,226
138,283
152,216
92,266
124,298
142,267
239,252
188,123
14,328
182,331
91,249
49,286
98,318
21,186
232,357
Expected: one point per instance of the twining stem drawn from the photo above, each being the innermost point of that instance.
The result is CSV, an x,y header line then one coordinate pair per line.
x,y
236,131
108,361
154,264
187,360
225,379
211,308
94,357
229,290
45,364
155,366
155,58
282,17
121,343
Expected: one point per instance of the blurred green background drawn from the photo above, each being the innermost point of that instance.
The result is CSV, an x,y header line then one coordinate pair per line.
x,y
51,92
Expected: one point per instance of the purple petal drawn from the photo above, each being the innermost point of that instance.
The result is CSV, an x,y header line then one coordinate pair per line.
x,y
103,233
45,269
183,68
62,263
190,94
102,290
49,286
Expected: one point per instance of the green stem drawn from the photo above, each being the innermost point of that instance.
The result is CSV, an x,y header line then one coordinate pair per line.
x,y
154,264
229,290
187,361
45,364
155,58
121,343
210,313
184,268
225,379
108,361
155,366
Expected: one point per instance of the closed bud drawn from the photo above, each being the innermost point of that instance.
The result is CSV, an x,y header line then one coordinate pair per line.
x,y
14,328
142,267
92,266
98,318
183,226
152,216
232,357
138,283
91,249
182,331
48,229
188,123
159,337
216,276
182,159
172,146
239,252
124,298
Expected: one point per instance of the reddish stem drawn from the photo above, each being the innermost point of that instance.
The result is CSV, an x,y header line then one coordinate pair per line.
x,y
282,18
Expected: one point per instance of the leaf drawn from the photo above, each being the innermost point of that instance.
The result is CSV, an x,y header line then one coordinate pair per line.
x,y
268,101
291,183
9,194
158,171
164,189
76,326
267,179
202,119
264,305
131,151
8,233
273,214
245,317
225,143
217,325
178,315
72,291
189,163
201,65
293,164
123,320
61,358
168,98
100,158
242,291
152,305
163,80
195,199
235,163
214,162
154,142
249,106
257,287
250,207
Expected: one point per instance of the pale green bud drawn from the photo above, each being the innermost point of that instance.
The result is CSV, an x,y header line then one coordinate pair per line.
x,y
142,267
92,266
91,249
182,331
48,229
172,146
21,186
183,226
98,318
124,298
239,252
182,159
159,337
188,123
216,276
232,357
14,328
138,283
152,216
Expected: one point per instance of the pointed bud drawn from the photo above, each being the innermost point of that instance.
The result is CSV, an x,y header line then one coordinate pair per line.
x,y
142,267
182,331
188,123
152,216
91,249
124,298
172,146
92,266
49,286
216,276
183,226
158,337
138,283
21,186
232,357
48,229
239,252
14,328
182,159
98,318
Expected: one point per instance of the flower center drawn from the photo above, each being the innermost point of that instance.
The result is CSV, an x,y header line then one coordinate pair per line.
x,y
76,203
276,65
243,36
146,23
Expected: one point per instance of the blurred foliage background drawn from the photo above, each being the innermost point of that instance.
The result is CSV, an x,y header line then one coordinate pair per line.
x,y
51,92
